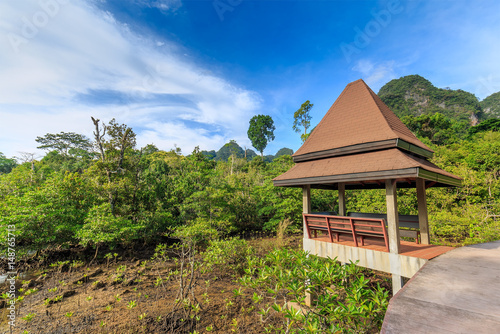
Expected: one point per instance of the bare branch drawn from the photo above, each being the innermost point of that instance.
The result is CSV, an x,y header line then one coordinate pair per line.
x,y
26,157
98,136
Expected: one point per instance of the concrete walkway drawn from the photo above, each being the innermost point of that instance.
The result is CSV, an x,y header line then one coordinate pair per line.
x,y
457,292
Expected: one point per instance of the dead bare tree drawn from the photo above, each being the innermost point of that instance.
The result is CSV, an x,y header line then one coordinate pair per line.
x,y
28,157
122,137
98,135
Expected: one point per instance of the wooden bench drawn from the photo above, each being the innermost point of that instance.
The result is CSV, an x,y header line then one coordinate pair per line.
x,y
336,225
408,224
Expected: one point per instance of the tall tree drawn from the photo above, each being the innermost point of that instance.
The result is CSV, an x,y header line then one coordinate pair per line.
x,y
302,118
121,140
261,132
66,143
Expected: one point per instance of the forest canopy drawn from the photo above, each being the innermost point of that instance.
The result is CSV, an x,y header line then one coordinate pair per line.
x,y
106,190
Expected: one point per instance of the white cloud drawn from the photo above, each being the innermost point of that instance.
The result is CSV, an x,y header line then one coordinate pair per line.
x,y
83,52
375,74
162,5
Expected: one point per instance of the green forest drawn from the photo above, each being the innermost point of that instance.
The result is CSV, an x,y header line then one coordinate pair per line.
x,y
106,192
74,197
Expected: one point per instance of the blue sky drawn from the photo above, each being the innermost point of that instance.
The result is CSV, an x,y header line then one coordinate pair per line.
x,y
192,73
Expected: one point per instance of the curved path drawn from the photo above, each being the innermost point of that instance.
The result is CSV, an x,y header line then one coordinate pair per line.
x,y
457,292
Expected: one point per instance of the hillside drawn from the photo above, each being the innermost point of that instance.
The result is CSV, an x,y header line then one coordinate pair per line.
x,y
491,106
225,152
414,95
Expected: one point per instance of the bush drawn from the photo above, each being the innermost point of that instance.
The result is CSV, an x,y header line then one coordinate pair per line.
x,y
101,226
230,254
198,233
345,301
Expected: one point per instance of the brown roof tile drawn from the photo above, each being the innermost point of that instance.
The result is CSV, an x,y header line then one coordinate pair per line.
x,y
357,116
385,160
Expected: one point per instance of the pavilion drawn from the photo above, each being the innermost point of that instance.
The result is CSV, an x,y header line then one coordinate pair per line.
x,y
361,144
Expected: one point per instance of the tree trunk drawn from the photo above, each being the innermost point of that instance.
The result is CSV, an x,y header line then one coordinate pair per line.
x,y
98,137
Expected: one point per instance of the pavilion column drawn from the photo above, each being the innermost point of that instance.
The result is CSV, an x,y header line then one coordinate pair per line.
x,y
306,204
392,216
423,222
393,231
342,210
306,208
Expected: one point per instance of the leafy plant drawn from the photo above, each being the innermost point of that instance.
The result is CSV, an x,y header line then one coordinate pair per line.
x,y
131,304
285,276
31,291
231,253
29,317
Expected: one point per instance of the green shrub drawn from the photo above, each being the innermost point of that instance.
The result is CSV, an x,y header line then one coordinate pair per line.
x,y
230,253
101,226
198,233
344,300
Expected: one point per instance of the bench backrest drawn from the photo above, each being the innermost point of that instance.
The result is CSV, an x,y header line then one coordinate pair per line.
x,y
320,220
356,226
407,221
365,225
315,220
339,223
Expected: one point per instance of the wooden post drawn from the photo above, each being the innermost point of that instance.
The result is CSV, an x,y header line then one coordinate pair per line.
x,y
342,199
423,221
392,216
306,204
342,210
393,230
306,208
306,199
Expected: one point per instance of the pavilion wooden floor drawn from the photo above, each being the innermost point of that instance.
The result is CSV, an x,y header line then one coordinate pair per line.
x,y
408,248
459,292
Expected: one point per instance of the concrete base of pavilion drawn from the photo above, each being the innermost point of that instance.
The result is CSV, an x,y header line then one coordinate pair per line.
x,y
373,254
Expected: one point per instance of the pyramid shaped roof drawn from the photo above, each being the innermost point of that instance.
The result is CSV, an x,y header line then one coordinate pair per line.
x,y
359,121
